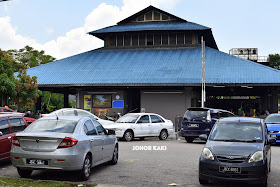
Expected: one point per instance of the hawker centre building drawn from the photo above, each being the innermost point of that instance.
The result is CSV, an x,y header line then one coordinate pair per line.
x,y
151,61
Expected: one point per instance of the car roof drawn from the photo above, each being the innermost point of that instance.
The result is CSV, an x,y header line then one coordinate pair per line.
x,y
10,114
274,114
75,118
213,110
241,119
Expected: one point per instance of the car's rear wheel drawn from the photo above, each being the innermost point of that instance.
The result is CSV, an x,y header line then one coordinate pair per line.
x,y
163,135
85,172
189,140
24,173
202,181
128,135
115,156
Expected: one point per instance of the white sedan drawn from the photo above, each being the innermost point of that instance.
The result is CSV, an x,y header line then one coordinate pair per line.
x,y
141,125
78,112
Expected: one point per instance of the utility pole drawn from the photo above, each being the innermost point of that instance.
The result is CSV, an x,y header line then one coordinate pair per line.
x,y
203,88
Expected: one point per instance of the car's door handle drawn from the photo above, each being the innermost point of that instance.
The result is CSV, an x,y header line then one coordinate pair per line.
x,y
103,139
92,140
9,137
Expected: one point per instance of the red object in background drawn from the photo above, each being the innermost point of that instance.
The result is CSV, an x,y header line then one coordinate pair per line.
x,y
4,110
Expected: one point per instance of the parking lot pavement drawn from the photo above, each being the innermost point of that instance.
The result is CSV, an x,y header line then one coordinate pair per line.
x,y
148,163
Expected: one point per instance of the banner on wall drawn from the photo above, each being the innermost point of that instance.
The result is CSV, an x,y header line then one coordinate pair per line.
x,y
87,102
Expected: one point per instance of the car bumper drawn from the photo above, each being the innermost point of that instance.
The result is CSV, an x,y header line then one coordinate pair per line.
x,y
56,160
276,136
250,172
119,134
193,133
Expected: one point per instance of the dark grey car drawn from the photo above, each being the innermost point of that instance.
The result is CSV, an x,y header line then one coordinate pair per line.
x,y
63,143
238,149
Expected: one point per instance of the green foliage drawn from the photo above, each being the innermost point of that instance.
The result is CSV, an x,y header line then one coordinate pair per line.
x,y
26,90
28,57
7,79
274,61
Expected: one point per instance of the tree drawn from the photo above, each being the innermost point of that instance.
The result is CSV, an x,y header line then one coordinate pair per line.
x,y
274,61
7,79
28,57
26,90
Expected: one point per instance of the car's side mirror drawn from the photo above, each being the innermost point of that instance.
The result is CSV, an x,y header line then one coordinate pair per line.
x,y
271,140
203,137
111,132
1,133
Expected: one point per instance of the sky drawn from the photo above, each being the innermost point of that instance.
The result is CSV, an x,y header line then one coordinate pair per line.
x,y
60,27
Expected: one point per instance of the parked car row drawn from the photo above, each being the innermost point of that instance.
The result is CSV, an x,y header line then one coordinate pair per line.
x,y
236,149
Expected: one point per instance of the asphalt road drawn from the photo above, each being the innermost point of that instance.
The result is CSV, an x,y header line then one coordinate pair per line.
x,y
159,163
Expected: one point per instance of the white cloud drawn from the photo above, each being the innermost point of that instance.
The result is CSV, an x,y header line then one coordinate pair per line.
x,y
77,40
49,30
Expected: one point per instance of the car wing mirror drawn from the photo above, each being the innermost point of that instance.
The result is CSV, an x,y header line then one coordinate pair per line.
x,y
111,132
203,137
271,140
1,133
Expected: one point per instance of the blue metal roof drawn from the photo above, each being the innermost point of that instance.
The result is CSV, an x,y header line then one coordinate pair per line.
x,y
156,26
162,66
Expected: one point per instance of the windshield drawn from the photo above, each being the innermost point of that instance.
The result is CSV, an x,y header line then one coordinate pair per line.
x,y
128,118
273,119
52,125
191,114
237,132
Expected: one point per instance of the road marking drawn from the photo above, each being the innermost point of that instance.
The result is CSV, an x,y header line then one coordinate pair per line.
x,y
130,160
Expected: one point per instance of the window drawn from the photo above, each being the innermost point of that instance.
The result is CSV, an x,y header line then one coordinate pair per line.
x,y
188,38
17,126
155,119
164,39
150,39
4,127
69,113
100,129
89,128
134,40
83,113
144,119
180,38
120,40
224,114
141,18
112,41
142,39
157,39
215,115
7,110
149,16
172,38
164,17
127,40
156,16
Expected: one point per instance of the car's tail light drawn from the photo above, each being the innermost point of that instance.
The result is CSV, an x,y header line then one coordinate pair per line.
x,y
15,141
67,142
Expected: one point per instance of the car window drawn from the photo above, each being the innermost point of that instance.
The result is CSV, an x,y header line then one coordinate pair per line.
x,y
237,132
156,119
4,127
215,115
89,128
224,114
100,129
83,113
7,110
17,125
144,119
128,118
68,113
52,125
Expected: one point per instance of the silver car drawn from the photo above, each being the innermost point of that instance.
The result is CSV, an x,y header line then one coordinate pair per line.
x,y
63,143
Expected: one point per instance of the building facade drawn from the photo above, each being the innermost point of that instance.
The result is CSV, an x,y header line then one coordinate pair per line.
x,y
151,61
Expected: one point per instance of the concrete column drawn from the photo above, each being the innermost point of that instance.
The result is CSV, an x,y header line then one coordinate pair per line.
x,y
66,100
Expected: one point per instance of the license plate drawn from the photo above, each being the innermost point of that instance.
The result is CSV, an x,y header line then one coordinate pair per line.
x,y
194,125
229,169
36,162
